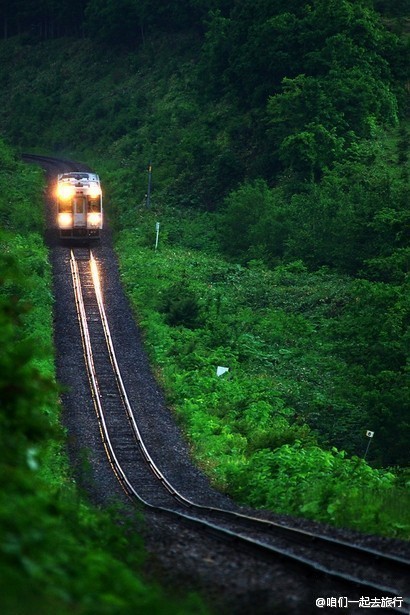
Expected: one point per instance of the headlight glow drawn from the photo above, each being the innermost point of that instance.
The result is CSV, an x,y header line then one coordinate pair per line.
x,y
65,192
65,220
94,218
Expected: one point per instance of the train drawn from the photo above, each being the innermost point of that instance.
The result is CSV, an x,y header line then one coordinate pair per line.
x,y
79,205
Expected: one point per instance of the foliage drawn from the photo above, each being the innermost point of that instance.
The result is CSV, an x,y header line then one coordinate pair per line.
x,y
42,20
321,485
375,334
291,383
126,23
399,8
57,554
180,306
254,223
23,419
123,23
355,220
289,122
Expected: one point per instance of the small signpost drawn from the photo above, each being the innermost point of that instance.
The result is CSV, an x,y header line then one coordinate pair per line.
x,y
370,435
157,235
148,202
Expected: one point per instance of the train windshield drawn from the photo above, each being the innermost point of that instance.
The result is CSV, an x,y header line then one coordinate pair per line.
x,y
94,205
76,176
64,207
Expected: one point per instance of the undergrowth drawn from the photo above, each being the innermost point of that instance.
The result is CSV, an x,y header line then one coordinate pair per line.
x,y
269,431
58,554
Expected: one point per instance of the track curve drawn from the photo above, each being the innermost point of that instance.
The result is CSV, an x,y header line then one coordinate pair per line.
x,y
203,492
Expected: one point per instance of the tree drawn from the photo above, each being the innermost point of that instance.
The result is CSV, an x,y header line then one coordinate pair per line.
x,y
254,223
116,24
396,8
45,19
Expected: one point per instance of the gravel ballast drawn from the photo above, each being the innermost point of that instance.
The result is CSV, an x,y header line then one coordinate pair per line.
x,y
180,558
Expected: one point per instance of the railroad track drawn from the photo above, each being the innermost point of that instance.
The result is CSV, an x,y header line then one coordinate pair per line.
x,y
60,164
375,573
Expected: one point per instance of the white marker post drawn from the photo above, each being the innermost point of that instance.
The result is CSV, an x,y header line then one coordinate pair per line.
x,y
157,237
370,435
221,370
148,201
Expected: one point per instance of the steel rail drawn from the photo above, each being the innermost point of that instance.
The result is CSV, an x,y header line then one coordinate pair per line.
x,y
131,492
183,499
52,160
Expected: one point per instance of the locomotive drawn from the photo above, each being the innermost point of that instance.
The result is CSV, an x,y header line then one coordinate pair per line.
x,y
79,205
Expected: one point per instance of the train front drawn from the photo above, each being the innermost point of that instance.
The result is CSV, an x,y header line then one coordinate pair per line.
x,y
79,205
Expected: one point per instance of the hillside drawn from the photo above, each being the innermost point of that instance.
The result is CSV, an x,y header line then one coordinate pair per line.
x,y
279,141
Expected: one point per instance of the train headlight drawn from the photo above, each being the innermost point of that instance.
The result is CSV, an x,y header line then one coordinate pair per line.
x,y
94,218
65,220
65,192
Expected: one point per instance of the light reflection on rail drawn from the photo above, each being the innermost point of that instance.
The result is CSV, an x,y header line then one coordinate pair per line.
x,y
125,482
96,278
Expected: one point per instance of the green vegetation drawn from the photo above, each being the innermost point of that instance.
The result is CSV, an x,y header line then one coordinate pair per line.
x,y
57,554
279,138
270,431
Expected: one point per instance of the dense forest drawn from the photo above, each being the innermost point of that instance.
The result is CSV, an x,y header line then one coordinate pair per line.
x,y
279,138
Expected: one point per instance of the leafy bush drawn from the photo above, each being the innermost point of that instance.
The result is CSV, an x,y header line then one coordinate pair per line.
x,y
254,223
256,429
322,485
57,554
180,306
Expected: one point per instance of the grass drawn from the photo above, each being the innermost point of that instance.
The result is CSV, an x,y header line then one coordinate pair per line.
x,y
265,431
